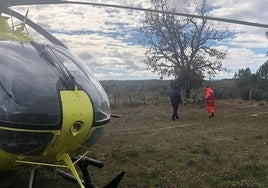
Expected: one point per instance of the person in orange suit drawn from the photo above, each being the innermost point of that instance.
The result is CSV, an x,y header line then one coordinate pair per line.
x,y
210,102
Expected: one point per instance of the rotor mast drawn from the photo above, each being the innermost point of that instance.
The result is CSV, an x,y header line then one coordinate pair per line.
x,y
7,33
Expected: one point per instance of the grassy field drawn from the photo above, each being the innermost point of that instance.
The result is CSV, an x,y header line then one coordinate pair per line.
x,y
227,151
194,151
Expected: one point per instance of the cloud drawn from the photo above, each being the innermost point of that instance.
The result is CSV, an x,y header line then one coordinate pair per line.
x,y
248,47
244,58
107,38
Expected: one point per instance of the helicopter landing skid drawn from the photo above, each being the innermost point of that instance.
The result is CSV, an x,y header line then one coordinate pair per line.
x,y
32,177
83,163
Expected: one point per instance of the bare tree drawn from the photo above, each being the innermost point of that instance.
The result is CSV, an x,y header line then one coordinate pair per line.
x,y
183,47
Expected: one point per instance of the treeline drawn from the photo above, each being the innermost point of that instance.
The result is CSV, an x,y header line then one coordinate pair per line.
x,y
253,86
136,92
245,85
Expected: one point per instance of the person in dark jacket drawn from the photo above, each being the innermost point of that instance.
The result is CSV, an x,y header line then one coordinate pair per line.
x,y
175,98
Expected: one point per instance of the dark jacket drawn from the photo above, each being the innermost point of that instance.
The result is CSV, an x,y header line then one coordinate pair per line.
x,y
175,96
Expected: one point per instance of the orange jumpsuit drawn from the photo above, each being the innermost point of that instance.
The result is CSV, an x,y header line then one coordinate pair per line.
x,y
210,102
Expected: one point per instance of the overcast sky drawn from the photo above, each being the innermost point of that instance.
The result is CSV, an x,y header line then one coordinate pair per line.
x,y
107,38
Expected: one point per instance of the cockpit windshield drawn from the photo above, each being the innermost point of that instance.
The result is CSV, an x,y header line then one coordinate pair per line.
x,y
86,81
28,87
30,82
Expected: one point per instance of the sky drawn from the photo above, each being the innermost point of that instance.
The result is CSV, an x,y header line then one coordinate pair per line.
x,y
107,39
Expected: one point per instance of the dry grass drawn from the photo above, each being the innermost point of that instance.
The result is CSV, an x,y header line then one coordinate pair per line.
x,y
194,151
227,151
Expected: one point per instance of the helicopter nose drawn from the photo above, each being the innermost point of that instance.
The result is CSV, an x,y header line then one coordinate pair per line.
x,y
77,120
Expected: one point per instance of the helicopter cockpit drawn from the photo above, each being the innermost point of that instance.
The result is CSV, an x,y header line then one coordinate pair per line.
x,y
32,76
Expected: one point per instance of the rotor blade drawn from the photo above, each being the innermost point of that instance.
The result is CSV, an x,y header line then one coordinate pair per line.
x,y
11,3
36,27
38,2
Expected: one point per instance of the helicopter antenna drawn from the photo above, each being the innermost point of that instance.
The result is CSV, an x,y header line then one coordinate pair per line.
x,y
22,25
25,18
12,22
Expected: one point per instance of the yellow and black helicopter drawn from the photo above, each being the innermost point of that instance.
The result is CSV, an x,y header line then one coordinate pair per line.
x,y
51,105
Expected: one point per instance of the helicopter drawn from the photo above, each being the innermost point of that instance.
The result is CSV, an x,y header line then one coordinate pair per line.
x,y
52,107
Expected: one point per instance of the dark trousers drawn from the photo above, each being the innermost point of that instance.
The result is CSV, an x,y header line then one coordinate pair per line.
x,y
175,107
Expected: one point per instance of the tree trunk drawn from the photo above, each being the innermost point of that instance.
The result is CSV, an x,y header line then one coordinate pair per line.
x,y
250,93
187,93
